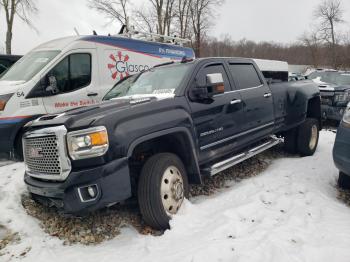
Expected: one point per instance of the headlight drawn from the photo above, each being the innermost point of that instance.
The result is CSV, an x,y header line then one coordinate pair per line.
x,y
87,143
346,117
342,97
3,100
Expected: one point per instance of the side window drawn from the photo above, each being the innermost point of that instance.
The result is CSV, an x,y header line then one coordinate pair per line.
x,y
4,64
201,78
245,75
73,72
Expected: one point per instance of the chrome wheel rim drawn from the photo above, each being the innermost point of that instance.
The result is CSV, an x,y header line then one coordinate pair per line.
x,y
313,139
172,190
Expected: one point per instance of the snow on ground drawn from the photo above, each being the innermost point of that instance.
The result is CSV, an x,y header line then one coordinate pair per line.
x,y
290,212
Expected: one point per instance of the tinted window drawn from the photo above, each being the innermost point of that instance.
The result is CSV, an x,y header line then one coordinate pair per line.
x,y
73,72
201,78
245,75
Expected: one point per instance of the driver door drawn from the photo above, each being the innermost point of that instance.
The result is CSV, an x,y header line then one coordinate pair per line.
x,y
72,78
217,123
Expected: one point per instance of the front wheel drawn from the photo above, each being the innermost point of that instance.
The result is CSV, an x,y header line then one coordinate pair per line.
x,y
162,187
308,135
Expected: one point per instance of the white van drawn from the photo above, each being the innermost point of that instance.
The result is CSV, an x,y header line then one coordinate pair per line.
x,y
71,72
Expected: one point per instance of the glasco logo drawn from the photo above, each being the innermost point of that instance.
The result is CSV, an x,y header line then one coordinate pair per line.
x,y
122,67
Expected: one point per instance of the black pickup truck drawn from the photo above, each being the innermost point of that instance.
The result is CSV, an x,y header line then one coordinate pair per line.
x,y
162,129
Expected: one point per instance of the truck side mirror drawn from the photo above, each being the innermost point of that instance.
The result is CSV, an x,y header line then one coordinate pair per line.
x,y
214,86
52,85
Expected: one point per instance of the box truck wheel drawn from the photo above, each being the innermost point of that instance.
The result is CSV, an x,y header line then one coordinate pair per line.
x,y
343,181
162,188
18,147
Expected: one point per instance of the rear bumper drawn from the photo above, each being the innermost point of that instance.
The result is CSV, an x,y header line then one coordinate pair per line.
x,y
112,181
332,112
341,150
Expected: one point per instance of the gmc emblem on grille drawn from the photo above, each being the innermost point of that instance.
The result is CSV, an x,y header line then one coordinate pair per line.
x,y
35,152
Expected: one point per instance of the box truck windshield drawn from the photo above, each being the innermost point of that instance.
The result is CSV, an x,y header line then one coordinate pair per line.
x,y
29,65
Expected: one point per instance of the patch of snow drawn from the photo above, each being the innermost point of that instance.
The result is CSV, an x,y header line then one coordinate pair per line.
x,y
290,212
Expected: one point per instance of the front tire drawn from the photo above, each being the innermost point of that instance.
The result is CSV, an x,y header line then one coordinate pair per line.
x,y
343,181
162,187
308,135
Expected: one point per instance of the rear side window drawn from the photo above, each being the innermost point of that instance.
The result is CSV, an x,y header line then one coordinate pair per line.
x,y
245,75
73,72
201,78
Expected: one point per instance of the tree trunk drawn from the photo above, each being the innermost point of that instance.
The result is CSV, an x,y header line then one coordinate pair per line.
x,y
8,41
334,54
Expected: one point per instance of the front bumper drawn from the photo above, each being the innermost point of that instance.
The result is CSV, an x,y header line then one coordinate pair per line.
x,y
112,181
332,112
341,150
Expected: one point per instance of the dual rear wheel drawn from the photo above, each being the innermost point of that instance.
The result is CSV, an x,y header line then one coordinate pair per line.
x,y
303,139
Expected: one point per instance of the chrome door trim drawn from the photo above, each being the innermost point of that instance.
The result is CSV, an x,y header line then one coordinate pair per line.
x,y
235,136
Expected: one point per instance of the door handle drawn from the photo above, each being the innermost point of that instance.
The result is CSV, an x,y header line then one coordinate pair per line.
x,y
92,94
267,95
235,101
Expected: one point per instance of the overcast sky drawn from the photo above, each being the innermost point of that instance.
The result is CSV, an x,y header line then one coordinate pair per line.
x,y
269,20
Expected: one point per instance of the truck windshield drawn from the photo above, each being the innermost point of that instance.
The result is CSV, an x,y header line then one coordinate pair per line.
x,y
29,65
343,79
155,82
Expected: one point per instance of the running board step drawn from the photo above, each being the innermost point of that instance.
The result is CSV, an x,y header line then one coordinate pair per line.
x,y
236,159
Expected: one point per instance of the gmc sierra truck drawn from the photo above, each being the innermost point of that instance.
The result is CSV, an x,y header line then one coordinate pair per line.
x,y
162,129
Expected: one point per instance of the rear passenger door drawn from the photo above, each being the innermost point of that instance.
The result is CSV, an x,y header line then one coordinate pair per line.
x,y
218,122
256,97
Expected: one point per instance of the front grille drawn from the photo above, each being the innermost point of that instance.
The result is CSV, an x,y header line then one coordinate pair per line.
x,y
327,97
327,101
45,153
42,155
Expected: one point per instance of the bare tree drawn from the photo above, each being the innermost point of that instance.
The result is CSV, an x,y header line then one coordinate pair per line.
x,y
201,13
145,20
21,8
164,11
183,17
114,10
330,13
313,42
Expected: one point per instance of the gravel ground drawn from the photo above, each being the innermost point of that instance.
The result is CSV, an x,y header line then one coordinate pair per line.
x,y
344,195
106,224
7,237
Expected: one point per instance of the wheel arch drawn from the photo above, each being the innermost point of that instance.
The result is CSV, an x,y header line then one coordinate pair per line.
x,y
314,109
175,140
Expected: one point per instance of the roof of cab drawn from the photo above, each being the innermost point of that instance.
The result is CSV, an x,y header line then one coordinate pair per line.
x,y
147,47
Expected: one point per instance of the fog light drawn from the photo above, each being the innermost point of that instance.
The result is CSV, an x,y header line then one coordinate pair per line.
x,y
88,193
91,191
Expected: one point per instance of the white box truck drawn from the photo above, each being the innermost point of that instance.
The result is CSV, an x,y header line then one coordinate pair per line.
x,y
71,72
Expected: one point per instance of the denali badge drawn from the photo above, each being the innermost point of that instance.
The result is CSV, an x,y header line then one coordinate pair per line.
x,y
35,152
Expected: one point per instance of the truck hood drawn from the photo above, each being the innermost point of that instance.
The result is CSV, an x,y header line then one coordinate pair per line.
x,y
333,88
85,116
7,87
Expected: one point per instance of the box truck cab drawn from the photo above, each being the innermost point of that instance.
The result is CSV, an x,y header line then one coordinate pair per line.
x,y
72,72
